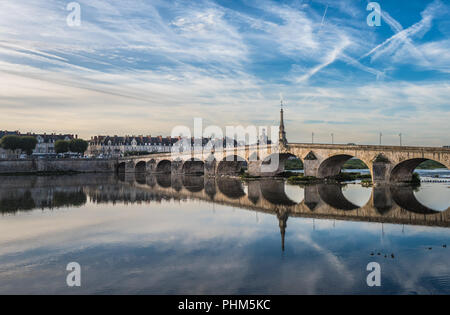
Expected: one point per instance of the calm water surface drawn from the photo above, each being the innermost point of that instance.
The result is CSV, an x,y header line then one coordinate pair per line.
x,y
194,235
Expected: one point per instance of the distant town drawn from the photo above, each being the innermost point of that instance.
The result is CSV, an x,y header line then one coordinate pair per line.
x,y
14,145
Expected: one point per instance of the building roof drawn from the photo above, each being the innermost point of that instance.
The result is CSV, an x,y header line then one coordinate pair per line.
x,y
52,137
140,140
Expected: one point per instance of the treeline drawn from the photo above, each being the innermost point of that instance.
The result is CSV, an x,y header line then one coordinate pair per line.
x,y
28,143
354,164
137,153
293,164
24,143
74,145
430,165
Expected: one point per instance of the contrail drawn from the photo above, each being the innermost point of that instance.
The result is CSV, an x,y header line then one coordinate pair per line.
x,y
323,17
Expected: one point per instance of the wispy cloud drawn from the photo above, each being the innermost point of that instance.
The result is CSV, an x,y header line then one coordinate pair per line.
x,y
145,66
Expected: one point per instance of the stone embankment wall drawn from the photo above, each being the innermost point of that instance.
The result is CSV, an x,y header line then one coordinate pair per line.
x,y
56,165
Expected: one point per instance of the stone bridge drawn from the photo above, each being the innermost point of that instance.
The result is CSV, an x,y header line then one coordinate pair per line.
x,y
386,163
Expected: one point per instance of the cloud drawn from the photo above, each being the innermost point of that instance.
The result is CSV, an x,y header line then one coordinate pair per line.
x,y
142,67
401,42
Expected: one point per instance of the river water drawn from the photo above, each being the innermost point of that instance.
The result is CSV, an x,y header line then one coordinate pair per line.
x,y
195,235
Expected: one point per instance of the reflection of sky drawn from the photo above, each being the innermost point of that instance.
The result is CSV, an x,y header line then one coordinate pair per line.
x,y
436,197
357,194
294,192
195,247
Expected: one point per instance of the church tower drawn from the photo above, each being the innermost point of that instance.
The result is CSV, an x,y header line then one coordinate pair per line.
x,y
282,133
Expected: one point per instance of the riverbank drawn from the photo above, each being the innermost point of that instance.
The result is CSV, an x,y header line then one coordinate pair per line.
x,y
55,166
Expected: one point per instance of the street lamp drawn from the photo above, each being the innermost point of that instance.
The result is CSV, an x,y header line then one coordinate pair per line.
x,y
312,137
400,135
380,137
332,138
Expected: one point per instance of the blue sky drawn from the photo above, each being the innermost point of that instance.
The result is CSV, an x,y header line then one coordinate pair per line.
x,y
142,67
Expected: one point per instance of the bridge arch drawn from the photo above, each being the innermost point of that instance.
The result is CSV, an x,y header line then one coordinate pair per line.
x,y
164,166
332,166
232,165
275,163
403,171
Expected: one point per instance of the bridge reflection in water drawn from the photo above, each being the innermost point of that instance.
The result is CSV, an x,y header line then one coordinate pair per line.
x,y
387,204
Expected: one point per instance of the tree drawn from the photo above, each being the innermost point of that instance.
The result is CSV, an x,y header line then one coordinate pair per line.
x,y
28,144
62,146
78,146
11,142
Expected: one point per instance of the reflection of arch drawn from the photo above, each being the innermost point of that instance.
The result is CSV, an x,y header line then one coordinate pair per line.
x,y
273,192
164,181
332,195
332,166
403,171
164,166
230,187
231,165
141,167
193,183
405,198
121,167
121,176
194,167
141,178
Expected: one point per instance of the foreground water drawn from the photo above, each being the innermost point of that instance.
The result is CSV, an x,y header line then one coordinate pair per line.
x,y
194,235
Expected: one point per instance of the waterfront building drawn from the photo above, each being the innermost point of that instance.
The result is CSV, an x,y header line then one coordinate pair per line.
x,y
45,143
